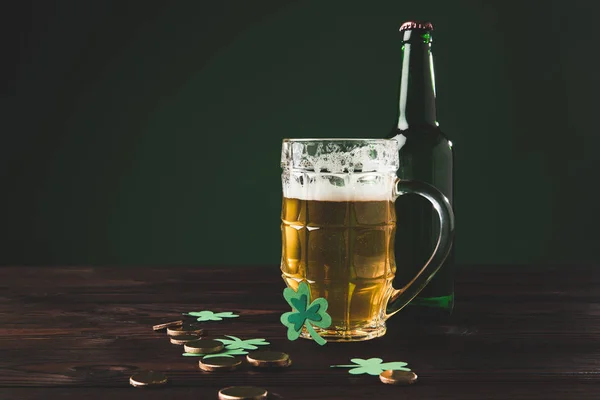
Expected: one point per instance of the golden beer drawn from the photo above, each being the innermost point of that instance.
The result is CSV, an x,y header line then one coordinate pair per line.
x,y
345,250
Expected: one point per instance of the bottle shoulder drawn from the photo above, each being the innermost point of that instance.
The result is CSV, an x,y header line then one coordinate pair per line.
x,y
425,136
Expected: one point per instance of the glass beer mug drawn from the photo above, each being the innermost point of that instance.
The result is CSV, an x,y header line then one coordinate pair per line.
x,y
338,225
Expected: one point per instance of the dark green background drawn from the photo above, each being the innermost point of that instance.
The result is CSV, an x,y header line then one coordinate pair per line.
x,y
149,132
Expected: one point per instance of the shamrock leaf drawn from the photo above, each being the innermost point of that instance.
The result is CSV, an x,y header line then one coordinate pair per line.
x,y
305,313
372,366
237,343
211,316
225,353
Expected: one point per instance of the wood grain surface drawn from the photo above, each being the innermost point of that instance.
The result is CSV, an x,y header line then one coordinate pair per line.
x,y
80,332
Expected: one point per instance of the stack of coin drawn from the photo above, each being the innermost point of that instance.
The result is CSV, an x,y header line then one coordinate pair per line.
x,y
188,335
183,333
269,359
203,346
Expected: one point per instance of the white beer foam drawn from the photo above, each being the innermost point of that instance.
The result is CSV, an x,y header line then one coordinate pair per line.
x,y
361,186
339,169
340,157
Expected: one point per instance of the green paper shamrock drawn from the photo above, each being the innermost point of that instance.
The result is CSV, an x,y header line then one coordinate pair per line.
x,y
225,353
305,313
372,366
211,316
237,343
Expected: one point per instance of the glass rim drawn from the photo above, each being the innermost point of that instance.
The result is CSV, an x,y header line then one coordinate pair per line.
x,y
358,140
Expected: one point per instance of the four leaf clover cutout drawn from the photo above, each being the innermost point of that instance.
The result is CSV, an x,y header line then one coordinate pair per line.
x,y
211,316
237,343
372,366
305,313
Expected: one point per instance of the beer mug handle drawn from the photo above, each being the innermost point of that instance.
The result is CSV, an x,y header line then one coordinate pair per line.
x,y
401,297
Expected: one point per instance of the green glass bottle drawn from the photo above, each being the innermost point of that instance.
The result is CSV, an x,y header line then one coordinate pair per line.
x,y
426,154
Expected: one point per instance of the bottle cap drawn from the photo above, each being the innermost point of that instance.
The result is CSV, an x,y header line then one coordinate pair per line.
x,y
425,25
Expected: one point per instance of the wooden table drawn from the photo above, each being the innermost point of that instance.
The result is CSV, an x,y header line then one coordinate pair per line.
x,y
80,332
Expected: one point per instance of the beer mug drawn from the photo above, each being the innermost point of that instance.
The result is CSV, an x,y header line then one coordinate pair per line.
x,y
338,225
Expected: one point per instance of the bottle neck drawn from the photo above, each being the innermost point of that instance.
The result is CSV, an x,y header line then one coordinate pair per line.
x,y
417,82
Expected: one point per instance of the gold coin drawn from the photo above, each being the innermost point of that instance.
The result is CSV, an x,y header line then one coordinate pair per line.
x,y
167,325
242,393
185,329
183,339
148,379
219,364
202,346
392,377
268,359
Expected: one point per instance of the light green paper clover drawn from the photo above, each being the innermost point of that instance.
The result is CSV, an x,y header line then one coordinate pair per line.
x,y
305,313
372,366
211,316
236,343
226,353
